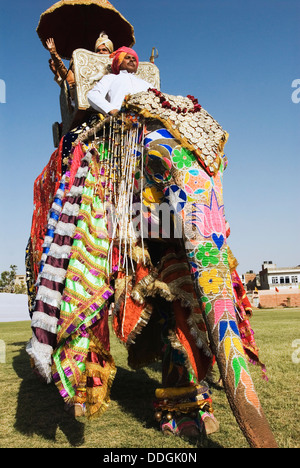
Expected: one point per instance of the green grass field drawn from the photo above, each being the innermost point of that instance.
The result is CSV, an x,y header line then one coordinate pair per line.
x,y
32,414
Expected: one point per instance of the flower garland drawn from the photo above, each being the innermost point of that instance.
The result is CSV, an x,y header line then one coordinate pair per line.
x,y
166,104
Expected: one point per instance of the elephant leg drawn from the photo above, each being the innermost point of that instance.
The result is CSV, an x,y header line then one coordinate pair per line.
x,y
197,200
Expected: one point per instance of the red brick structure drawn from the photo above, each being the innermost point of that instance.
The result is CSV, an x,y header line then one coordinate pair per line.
x,y
270,299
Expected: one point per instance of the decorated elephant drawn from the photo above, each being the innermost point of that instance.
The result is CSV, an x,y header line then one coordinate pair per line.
x,y
129,219
171,282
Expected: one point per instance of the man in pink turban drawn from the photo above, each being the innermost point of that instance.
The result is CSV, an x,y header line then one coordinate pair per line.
x,y
124,53
108,94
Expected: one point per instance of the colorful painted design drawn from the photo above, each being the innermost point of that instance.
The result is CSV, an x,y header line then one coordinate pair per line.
x,y
207,254
176,197
183,158
224,308
158,134
193,184
210,282
229,340
152,196
158,167
209,220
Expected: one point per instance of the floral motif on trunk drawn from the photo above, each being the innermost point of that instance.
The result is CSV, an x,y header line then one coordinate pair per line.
x,y
207,255
210,282
229,339
208,220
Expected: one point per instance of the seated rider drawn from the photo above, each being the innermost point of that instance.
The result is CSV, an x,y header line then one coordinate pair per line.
x,y
108,94
103,46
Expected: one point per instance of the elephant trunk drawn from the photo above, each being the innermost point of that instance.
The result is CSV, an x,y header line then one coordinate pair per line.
x,y
238,383
197,201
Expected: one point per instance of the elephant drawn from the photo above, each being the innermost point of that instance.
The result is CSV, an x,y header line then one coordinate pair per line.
x,y
169,172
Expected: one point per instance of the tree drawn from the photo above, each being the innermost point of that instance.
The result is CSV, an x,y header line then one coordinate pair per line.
x,y
20,288
7,279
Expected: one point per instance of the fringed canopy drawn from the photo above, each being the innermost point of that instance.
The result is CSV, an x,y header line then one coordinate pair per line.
x,y
77,24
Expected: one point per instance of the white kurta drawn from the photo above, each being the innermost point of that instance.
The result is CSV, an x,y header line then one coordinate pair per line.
x,y
110,91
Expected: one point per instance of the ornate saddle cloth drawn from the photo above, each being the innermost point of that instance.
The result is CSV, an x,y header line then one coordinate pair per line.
x,y
187,121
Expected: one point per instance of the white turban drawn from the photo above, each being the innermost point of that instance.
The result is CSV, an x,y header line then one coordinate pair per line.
x,y
104,39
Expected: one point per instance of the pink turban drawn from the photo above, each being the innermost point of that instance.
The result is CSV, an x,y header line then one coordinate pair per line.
x,y
118,57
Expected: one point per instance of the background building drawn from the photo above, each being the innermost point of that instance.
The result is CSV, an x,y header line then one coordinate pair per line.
x,y
272,277
273,286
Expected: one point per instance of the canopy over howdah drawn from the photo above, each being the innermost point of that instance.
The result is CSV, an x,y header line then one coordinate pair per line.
x,y
77,24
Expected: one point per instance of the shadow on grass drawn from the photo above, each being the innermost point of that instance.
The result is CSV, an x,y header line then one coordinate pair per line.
x,y
40,408
134,391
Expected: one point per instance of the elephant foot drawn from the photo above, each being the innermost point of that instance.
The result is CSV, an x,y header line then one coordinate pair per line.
x,y
190,427
208,423
76,410
182,426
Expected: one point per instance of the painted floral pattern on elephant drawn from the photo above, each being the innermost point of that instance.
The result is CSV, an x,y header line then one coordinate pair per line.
x,y
208,220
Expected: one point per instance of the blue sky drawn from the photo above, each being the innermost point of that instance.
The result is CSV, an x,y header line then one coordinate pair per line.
x,y
239,58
